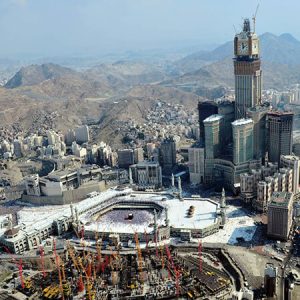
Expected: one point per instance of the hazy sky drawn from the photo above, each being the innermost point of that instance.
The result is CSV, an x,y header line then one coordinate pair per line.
x,y
68,27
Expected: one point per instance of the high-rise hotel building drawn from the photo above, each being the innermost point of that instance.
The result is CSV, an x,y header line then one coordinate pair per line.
x,y
247,71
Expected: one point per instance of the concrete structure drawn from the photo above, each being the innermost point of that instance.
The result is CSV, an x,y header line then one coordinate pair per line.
x,y
292,162
138,155
270,278
125,158
257,186
82,134
226,109
280,211
242,133
70,137
258,115
213,127
205,110
147,175
224,173
165,216
167,155
247,71
196,155
78,150
279,129
64,186
18,148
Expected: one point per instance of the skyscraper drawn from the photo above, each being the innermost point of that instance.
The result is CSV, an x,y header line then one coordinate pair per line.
x,y
167,155
247,71
242,132
258,115
205,109
213,136
279,129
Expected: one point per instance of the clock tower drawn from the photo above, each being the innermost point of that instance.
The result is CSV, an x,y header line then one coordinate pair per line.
x,y
247,71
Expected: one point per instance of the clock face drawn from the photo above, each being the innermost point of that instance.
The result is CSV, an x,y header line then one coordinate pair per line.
x,y
255,47
243,48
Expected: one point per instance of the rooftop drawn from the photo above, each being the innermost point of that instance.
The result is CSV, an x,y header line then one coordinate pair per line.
x,y
281,198
242,122
213,118
259,108
280,113
290,157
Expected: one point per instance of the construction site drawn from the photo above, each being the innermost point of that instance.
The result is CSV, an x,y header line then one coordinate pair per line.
x,y
94,272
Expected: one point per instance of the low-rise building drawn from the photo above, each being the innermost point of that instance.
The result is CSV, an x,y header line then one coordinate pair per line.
x,y
147,174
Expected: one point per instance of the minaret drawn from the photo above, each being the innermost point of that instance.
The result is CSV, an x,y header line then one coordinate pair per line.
x,y
72,211
130,177
76,216
223,207
223,200
155,227
173,180
179,187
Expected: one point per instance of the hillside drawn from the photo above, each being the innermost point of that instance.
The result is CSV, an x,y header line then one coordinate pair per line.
x,y
282,49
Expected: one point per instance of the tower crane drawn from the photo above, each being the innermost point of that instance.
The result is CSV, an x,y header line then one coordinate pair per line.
x,y
58,269
139,252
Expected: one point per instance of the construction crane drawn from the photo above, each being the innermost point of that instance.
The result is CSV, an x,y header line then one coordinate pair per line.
x,y
58,269
139,252
254,17
200,256
19,264
42,253
162,256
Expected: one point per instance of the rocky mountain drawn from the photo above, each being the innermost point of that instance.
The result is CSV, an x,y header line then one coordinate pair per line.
x,y
282,49
206,73
36,74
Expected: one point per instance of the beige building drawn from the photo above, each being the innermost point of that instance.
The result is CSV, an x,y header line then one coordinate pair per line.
x,y
196,164
280,211
242,133
258,186
213,136
292,162
147,175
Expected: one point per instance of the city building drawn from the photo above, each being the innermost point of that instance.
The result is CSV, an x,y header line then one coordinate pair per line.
x,y
125,158
205,110
78,151
82,134
63,186
138,155
213,127
280,211
279,131
18,148
147,175
226,109
70,137
292,162
242,133
247,71
167,155
258,186
258,115
196,155
270,280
